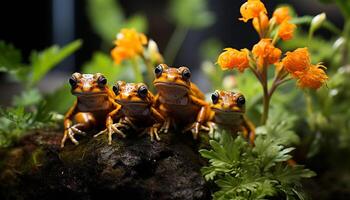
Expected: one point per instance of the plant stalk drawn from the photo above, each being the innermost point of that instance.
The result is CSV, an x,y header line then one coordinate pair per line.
x,y
175,43
137,71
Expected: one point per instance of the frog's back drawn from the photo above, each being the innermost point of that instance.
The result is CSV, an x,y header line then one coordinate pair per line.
x,y
195,91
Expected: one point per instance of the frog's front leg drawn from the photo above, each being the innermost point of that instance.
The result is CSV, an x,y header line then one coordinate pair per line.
x,y
153,131
201,117
110,127
83,121
248,129
166,125
212,127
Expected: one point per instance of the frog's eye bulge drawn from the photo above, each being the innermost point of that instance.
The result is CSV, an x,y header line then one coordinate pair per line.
x,y
240,100
142,91
116,89
215,97
73,81
158,70
186,74
102,81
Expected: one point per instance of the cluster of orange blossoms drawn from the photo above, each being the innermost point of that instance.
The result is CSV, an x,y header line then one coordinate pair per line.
x,y
264,53
129,43
298,64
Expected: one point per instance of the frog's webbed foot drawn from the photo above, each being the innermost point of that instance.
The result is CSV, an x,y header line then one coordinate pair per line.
x,y
111,129
70,132
166,126
195,128
153,131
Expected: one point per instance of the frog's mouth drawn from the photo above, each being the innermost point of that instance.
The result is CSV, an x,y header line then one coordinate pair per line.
x,y
170,84
228,112
131,103
89,94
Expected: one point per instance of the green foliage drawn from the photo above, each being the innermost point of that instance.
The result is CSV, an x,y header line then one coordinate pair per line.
x,y
107,18
29,111
10,57
60,100
245,172
16,121
42,62
104,64
191,13
280,126
28,98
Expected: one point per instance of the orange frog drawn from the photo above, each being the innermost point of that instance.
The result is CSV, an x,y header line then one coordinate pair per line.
x,y
178,99
227,113
135,111
90,110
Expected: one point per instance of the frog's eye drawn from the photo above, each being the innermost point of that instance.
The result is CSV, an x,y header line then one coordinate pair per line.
x,y
73,81
115,89
158,70
215,97
240,101
142,92
101,81
186,74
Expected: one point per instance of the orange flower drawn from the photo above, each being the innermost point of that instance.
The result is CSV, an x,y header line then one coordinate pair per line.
x,y
297,61
286,29
252,9
232,58
265,52
129,44
261,22
314,77
281,14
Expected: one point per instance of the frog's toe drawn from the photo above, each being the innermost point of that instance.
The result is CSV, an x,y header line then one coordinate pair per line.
x,y
118,131
71,136
77,131
153,133
100,133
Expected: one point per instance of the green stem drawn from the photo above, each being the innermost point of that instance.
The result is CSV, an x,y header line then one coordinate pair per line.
x,y
309,110
137,71
346,35
150,76
175,42
266,99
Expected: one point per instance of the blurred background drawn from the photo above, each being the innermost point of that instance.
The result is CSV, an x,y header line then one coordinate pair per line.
x,y
35,25
64,36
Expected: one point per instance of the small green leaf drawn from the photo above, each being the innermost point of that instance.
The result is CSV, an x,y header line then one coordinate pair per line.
x,y
45,60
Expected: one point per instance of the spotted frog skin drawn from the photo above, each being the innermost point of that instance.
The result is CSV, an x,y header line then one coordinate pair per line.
x,y
135,111
227,112
89,111
178,99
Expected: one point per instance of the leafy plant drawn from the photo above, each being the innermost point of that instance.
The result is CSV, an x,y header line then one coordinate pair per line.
x,y
29,111
245,172
16,121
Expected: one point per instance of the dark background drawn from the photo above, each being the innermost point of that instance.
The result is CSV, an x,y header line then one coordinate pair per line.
x,y
30,25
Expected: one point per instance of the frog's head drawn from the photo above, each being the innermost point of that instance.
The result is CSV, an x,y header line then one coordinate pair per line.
x,y
225,102
172,82
88,84
132,93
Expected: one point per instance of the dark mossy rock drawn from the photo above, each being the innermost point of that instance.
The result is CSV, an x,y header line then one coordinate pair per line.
x,y
132,168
